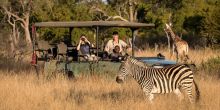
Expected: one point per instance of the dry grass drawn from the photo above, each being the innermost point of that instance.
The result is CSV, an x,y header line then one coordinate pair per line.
x,y
23,91
26,92
196,56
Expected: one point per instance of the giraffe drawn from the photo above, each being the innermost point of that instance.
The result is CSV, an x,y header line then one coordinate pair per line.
x,y
180,47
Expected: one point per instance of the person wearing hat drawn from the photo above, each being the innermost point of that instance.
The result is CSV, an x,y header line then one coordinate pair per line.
x,y
115,42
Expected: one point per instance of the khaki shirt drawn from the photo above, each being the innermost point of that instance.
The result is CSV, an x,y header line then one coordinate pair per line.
x,y
111,45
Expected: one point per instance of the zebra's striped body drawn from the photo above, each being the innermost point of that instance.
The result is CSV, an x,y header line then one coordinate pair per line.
x,y
159,80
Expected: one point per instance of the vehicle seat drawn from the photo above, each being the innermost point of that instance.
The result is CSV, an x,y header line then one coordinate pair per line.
x,y
62,50
44,50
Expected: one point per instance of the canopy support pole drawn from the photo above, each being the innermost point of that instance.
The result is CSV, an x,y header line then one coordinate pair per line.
x,y
34,55
97,38
70,33
132,40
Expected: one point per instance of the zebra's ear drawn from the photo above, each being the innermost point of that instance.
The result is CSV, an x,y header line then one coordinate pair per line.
x,y
126,56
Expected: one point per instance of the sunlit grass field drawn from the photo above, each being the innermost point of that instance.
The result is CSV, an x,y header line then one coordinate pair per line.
x,y
24,91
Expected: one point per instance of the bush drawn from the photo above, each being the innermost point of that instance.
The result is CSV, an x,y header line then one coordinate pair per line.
x,y
211,67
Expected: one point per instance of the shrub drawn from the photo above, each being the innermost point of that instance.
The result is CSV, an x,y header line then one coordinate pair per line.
x,y
211,67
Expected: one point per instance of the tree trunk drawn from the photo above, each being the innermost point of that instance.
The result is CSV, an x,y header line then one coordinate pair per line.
x,y
15,35
26,31
12,45
131,12
27,35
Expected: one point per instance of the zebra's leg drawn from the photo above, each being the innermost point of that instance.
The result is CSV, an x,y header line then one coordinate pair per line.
x,y
179,94
188,89
150,97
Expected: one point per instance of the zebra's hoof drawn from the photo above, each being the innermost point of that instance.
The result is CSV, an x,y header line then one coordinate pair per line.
x,y
119,80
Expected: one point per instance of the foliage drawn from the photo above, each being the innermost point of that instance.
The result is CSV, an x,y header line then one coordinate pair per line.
x,y
191,19
212,67
1,16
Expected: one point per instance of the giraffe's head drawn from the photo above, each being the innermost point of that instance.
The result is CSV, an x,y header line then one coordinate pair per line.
x,y
167,27
124,69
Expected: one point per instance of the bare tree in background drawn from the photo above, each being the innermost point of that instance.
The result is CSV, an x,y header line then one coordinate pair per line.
x,y
18,13
126,10
14,36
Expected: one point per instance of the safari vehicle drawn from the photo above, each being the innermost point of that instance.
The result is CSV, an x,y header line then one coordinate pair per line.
x,y
66,57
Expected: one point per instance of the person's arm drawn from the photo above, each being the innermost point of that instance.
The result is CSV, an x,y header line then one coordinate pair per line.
x,y
107,47
78,46
87,41
123,44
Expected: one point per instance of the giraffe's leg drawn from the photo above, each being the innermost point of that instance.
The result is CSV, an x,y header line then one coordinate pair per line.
x,y
177,56
172,52
179,94
182,58
188,89
185,57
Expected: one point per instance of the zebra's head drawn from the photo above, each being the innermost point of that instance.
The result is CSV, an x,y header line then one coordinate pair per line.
x,y
124,70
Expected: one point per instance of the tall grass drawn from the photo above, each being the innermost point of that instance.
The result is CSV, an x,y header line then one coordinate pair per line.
x,y
195,56
26,92
21,90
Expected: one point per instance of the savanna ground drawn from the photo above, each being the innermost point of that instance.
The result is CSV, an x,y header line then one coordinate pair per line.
x,y
22,90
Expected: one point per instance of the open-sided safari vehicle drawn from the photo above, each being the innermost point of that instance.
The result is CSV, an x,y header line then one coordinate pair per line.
x,y
65,57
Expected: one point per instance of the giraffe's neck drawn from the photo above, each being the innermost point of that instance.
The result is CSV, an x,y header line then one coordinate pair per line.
x,y
174,36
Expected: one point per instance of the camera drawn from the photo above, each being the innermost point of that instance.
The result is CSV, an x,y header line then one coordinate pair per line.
x,y
83,39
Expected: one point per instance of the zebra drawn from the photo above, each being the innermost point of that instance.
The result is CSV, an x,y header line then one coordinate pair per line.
x,y
159,80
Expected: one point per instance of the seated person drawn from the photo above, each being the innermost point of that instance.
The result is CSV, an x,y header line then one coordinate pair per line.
x,y
111,44
84,48
116,55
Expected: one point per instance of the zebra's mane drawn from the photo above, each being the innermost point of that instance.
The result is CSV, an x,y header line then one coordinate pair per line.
x,y
138,63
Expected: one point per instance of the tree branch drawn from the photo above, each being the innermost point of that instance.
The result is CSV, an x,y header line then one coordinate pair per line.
x,y
22,4
9,21
96,9
29,6
13,15
22,25
126,12
117,17
108,17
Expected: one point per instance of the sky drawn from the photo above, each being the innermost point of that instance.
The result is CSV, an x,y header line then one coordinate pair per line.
x,y
104,1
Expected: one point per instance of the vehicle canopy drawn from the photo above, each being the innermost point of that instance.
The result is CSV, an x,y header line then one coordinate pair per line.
x,y
80,24
92,24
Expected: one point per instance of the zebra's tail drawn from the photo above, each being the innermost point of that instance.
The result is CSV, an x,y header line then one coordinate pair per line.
x,y
197,96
